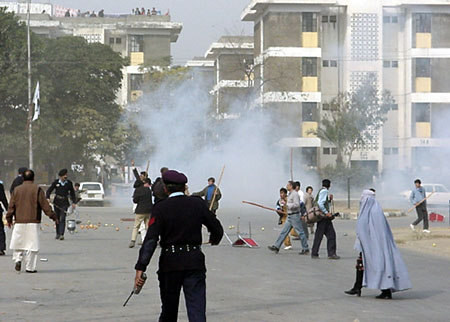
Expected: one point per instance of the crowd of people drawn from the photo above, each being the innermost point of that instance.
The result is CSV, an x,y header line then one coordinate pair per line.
x,y
168,216
148,12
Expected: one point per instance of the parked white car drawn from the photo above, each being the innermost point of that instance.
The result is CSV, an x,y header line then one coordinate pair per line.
x,y
92,192
440,197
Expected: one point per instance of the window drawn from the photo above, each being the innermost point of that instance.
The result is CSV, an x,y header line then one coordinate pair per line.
x,y
395,151
439,188
325,63
309,112
136,43
387,151
333,19
111,41
422,22
394,107
333,63
309,22
386,19
394,64
326,150
422,112
334,151
394,19
309,67
325,107
135,81
386,64
423,67
118,41
324,18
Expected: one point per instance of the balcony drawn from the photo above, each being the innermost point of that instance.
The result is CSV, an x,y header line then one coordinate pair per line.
x,y
423,85
307,128
423,130
310,84
135,95
136,58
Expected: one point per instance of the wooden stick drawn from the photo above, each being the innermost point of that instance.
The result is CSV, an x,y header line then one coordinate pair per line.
x,y
420,202
292,157
148,165
217,187
261,206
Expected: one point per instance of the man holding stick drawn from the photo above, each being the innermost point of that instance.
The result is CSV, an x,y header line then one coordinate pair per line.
x,y
296,209
418,199
212,195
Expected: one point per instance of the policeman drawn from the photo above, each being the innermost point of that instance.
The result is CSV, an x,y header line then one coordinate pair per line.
x,y
63,188
3,201
18,180
176,223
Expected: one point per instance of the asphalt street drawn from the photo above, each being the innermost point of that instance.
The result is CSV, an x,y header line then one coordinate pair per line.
x,y
88,276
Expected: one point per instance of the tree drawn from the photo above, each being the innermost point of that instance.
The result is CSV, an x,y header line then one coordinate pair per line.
x,y
353,116
13,86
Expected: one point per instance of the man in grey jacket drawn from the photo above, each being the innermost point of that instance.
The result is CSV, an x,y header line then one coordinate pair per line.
x,y
417,198
296,209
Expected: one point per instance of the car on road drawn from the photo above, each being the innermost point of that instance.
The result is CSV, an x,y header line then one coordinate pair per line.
x,y
440,197
92,192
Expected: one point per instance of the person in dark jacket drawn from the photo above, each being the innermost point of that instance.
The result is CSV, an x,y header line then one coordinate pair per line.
x,y
143,198
158,187
63,189
3,201
18,180
176,223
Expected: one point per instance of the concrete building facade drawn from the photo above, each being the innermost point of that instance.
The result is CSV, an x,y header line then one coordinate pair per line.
x,y
146,40
308,51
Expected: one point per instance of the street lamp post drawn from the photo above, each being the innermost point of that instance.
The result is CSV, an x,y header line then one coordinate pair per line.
x,y
30,109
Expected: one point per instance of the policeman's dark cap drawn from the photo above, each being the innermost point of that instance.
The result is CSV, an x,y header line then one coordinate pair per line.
x,y
22,170
174,177
62,172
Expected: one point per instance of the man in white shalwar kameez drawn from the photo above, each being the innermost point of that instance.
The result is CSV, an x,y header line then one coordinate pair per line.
x,y
25,209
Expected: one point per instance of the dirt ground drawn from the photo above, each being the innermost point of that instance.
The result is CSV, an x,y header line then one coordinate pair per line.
x,y
436,243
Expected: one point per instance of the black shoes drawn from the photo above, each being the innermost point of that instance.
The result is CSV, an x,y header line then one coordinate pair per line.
x,y
61,237
304,252
334,257
57,237
35,271
18,266
315,256
2,253
353,292
273,249
385,295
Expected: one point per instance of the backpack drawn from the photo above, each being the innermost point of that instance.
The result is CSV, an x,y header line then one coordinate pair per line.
x,y
315,214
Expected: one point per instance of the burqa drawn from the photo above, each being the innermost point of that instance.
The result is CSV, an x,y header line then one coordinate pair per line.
x,y
383,264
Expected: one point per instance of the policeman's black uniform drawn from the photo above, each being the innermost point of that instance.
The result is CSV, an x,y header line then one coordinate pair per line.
x,y
3,201
61,202
177,223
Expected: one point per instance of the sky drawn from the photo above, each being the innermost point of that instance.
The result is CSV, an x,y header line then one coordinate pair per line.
x,y
204,21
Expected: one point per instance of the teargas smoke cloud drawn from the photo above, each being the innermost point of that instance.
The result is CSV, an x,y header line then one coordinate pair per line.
x,y
183,138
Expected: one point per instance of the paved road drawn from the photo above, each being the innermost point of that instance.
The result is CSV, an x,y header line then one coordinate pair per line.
x,y
89,275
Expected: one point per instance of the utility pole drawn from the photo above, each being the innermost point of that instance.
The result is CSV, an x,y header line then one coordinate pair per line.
x,y
30,111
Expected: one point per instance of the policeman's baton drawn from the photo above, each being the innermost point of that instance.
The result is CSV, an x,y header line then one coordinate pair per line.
x,y
136,290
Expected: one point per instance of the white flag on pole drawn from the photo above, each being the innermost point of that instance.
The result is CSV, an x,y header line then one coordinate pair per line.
x,y
36,103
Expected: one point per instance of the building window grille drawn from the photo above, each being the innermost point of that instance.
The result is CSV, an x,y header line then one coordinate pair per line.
x,y
422,112
136,82
333,19
309,67
325,63
309,22
333,63
118,41
137,43
327,151
386,63
325,107
386,19
394,64
394,19
111,41
395,151
394,107
423,67
324,19
334,151
387,151
309,112
422,22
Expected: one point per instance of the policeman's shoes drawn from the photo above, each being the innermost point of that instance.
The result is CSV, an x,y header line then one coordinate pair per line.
x,y
132,243
57,237
2,253
273,249
304,252
61,237
334,257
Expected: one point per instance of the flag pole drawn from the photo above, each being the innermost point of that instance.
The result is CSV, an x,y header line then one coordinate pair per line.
x,y
30,110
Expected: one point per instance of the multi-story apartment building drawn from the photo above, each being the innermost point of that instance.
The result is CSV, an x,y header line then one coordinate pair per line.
x,y
307,51
232,57
146,40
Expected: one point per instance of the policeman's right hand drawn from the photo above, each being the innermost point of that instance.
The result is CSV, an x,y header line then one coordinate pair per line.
x,y
329,215
138,280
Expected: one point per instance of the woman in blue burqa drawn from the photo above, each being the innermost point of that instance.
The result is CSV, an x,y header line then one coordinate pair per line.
x,y
380,265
